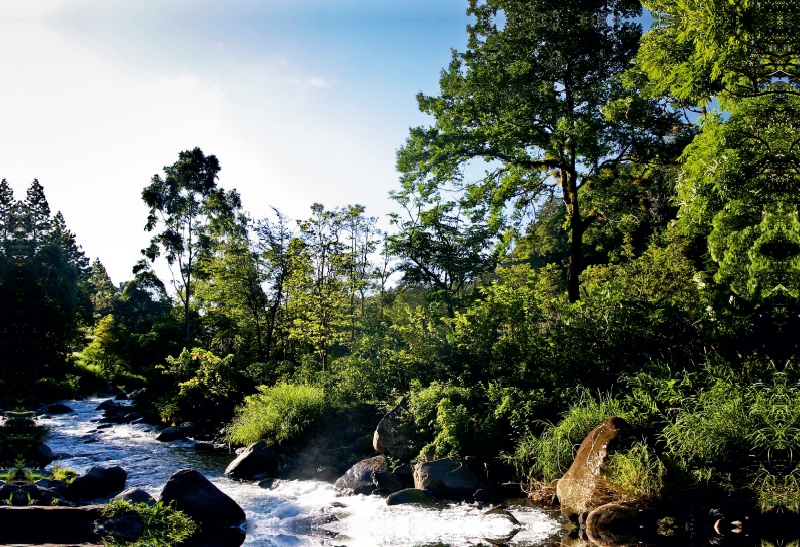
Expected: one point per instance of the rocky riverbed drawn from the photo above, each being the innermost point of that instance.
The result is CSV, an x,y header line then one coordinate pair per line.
x,y
289,512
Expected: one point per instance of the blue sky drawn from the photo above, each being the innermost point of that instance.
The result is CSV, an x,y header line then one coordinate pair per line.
x,y
301,101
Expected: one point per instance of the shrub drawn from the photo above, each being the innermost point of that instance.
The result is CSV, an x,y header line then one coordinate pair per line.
x,y
277,414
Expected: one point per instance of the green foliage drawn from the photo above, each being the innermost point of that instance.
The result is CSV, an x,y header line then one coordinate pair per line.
x,y
278,415
635,475
163,526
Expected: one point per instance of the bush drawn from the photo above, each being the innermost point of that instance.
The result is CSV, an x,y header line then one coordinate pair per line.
x,y
277,414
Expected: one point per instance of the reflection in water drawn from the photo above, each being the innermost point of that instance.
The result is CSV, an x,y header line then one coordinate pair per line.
x,y
293,513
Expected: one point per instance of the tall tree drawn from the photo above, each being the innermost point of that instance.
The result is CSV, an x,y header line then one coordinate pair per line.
x,y
184,204
530,95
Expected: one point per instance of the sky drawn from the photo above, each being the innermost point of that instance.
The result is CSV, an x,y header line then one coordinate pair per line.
x,y
302,101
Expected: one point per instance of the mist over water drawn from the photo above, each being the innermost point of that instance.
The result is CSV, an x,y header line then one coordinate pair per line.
x,y
283,516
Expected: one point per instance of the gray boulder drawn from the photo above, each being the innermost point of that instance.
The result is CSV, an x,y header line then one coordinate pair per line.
x,y
135,495
410,495
108,404
194,494
98,482
445,476
171,434
389,437
386,483
258,458
358,479
58,408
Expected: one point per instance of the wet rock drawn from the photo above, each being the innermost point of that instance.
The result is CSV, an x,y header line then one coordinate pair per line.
x,y
194,494
358,479
59,408
482,496
386,483
410,495
89,439
445,476
43,455
98,482
125,527
169,434
405,474
121,396
269,484
389,437
135,495
131,417
580,487
108,404
256,458
612,524
105,426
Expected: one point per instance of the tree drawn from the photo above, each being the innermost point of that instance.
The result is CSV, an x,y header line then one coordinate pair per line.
x,y
185,204
439,248
532,95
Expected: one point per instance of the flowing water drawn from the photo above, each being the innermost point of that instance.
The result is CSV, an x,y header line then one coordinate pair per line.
x,y
279,517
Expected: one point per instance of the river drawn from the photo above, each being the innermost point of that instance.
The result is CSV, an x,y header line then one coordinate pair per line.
x,y
273,515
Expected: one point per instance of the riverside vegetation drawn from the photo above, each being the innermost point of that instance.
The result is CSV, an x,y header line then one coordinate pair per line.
x,y
629,247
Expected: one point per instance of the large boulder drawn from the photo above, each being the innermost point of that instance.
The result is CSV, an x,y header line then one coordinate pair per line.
x,y
169,434
580,489
98,482
189,491
613,524
58,408
127,527
359,478
389,437
445,476
256,459
410,495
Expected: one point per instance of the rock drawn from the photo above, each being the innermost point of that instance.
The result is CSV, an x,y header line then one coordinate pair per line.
x,y
58,408
482,496
131,417
386,483
121,396
138,420
188,427
578,489
410,495
170,434
446,475
135,495
51,484
405,474
269,484
389,438
43,455
358,479
612,524
108,404
256,458
98,482
125,527
194,494
105,426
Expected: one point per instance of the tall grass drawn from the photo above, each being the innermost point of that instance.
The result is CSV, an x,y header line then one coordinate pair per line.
x,y
636,474
277,414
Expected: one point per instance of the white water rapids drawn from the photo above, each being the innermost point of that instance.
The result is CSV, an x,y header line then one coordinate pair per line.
x,y
275,517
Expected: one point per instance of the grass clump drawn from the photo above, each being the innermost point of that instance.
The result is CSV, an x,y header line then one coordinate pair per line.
x,y
277,414
636,474
163,525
